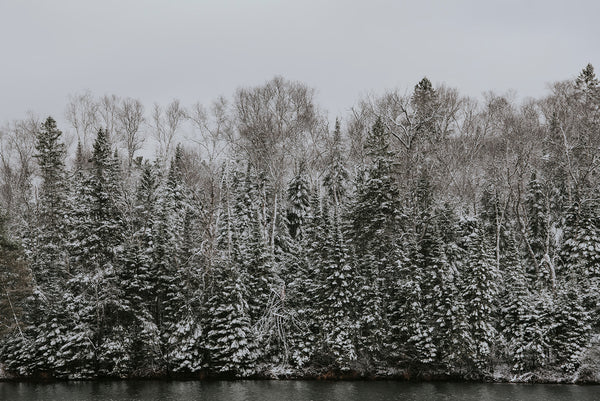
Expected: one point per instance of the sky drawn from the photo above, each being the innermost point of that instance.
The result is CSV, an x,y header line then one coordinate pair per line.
x,y
198,50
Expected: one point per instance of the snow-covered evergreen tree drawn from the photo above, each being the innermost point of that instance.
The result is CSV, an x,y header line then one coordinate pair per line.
x,y
373,231
15,290
179,326
298,200
581,246
336,174
570,332
48,258
187,343
47,322
335,288
97,232
480,292
304,266
137,278
520,324
230,340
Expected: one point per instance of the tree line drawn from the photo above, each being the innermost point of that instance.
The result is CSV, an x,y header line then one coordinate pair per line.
x,y
426,233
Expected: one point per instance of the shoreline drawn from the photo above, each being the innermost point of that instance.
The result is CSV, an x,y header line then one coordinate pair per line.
x,y
541,377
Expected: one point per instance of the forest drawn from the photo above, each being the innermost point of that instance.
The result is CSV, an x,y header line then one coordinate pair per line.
x,y
423,235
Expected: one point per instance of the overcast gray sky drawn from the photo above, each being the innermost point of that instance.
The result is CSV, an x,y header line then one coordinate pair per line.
x,y
198,50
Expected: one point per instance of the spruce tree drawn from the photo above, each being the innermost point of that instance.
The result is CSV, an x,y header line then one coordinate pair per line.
x,y
97,230
425,103
231,344
137,278
480,292
336,174
298,200
517,324
306,266
538,231
570,333
17,333
335,288
169,310
48,258
373,231
188,340
587,84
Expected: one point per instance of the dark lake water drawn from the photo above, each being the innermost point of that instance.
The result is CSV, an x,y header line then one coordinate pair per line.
x,y
246,390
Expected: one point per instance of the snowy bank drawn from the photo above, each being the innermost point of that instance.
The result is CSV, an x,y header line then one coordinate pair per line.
x,y
3,374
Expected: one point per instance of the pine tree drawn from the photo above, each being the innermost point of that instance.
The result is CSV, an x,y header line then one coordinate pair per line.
x,y
336,285
583,132
49,251
532,348
230,340
373,230
425,103
259,276
520,323
480,292
538,232
305,265
187,343
137,278
411,331
47,257
336,174
570,333
537,213
298,200
256,260
231,345
172,205
452,329
16,332
587,83
97,232
443,301
259,269
581,243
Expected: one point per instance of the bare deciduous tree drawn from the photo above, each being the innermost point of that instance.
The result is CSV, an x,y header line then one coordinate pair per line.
x,y
276,123
82,114
167,122
108,112
131,117
17,149
212,131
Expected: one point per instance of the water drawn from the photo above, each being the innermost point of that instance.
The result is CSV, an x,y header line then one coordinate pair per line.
x,y
248,390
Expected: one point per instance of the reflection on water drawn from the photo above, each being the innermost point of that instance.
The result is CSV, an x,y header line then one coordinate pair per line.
x,y
249,390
